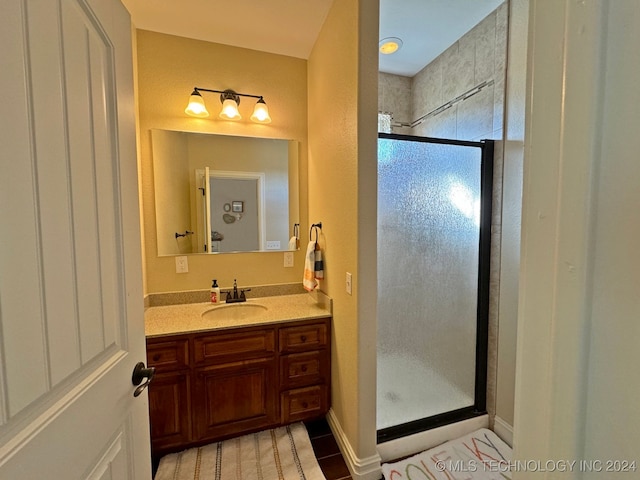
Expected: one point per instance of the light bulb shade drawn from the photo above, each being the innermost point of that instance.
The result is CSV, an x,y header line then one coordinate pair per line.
x,y
261,112
196,106
230,110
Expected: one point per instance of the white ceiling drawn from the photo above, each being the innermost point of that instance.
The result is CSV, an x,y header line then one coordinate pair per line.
x,y
287,27
290,27
427,28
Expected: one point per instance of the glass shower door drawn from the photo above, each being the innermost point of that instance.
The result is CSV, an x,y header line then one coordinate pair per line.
x,y
434,208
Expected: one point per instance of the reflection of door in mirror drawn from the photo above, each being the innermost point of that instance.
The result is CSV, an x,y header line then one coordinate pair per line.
x,y
200,220
232,229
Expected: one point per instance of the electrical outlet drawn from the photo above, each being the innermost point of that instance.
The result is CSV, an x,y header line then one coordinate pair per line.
x,y
349,283
182,265
288,259
273,244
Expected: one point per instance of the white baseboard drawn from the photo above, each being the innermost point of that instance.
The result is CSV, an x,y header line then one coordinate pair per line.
x,y
419,442
503,430
369,468
361,468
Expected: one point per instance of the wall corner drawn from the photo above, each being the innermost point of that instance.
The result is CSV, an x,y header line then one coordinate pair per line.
x,y
368,468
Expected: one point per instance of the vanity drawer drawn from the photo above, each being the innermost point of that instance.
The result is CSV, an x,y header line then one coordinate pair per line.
x,y
165,355
300,369
229,346
303,403
303,337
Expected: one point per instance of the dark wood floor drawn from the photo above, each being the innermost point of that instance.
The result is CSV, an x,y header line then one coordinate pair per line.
x,y
327,451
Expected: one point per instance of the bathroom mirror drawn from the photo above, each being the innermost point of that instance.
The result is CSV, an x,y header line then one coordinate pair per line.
x,y
222,193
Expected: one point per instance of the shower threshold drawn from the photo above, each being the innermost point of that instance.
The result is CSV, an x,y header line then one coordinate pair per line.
x,y
409,445
425,424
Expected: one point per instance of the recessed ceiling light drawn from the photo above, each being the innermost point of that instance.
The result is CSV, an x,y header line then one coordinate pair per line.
x,y
390,45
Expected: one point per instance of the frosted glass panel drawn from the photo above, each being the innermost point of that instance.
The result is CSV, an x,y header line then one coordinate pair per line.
x,y
428,237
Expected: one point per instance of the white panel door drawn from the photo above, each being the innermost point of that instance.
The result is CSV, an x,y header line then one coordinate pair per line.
x,y
71,315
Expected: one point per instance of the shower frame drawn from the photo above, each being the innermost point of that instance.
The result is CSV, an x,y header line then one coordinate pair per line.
x,y
482,311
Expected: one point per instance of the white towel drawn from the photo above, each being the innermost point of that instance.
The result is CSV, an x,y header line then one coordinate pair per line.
x,y
293,243
308,278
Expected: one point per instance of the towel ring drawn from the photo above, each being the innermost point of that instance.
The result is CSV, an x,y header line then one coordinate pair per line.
x,y
296,230
315,227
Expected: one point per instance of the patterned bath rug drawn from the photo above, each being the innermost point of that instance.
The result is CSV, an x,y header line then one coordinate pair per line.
x,y
284,453
481,455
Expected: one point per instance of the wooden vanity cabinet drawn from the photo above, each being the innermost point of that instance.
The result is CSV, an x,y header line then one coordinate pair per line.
x,y
170,397
214,385
235,382
304,371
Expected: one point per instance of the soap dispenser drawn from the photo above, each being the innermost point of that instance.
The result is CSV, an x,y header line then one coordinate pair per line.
x,y
215,292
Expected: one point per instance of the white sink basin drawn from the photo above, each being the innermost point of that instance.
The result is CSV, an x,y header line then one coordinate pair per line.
x,y
235,311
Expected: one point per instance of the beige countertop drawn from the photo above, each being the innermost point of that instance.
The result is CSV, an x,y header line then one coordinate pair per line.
x,y
188,318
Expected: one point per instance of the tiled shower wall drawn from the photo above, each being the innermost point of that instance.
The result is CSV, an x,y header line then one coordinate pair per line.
x,y
394,97
478,56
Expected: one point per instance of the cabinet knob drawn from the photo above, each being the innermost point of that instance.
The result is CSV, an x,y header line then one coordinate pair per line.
x,y
305,405
303,368
156,357
303,338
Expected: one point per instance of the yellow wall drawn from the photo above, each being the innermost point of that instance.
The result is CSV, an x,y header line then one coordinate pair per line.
x,y
337,179
168,69
171,175
342,195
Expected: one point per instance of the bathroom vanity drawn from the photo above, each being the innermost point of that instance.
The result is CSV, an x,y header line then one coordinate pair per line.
x,y
230,370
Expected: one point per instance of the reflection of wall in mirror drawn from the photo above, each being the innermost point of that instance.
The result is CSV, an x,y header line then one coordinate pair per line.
x,y
276,159
243,154
243,233
172,184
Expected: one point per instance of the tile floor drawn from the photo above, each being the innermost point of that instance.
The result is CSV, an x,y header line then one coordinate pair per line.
x,y
327,452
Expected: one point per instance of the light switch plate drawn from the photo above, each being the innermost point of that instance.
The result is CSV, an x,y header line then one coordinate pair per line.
x,y
182,265
349,283
288,259
273,244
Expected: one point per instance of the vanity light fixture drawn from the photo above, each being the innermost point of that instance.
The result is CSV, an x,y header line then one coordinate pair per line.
x,y
230,101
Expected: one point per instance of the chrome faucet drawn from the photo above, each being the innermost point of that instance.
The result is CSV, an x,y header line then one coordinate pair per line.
x,y
232,295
